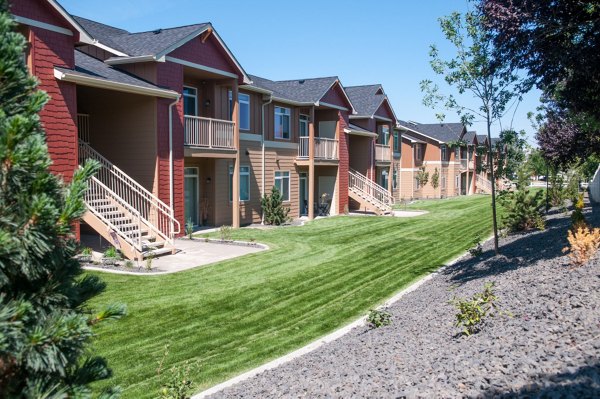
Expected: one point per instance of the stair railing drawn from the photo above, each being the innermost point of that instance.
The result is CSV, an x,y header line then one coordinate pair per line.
x,y
379,194
155,213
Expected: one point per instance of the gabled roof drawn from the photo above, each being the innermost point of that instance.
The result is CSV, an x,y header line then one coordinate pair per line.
x,y
151,45
367,99
481,139
441,132
359,131
92,72
470,136
299,91
412,139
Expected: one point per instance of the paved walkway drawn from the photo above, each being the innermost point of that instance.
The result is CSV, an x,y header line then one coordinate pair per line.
x,y
192,253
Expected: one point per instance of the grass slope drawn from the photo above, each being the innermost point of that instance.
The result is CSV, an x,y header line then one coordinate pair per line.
x,y
238,314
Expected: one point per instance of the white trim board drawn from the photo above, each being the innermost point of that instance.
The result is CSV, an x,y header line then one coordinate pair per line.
x,y
43,25
201,67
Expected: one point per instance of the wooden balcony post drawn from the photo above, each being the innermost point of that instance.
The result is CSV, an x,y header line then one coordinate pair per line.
x,y
236,166
311,164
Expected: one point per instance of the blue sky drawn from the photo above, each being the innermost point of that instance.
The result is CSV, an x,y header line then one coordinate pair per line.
x,y
362,42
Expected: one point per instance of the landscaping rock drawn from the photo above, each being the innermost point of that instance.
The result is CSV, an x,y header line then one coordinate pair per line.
x,y
549,347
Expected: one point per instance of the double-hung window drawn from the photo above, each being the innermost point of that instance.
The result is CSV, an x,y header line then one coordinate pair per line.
x,y
282,123
282,182
244,105
384,134
190,101
419,151
244,183
395,178
396,141
444,153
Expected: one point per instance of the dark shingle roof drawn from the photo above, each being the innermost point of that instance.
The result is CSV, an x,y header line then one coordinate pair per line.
x,y
481,138
298,90
365,99
88,66
138,44
469,137
443,132
359,129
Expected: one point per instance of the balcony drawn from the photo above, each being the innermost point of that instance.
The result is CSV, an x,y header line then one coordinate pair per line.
x,y
209,133
325,149
467,163
383,153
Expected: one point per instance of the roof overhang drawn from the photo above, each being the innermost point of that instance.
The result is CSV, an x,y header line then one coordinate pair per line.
x,y
360,132
133,59
338,82
84,37
89,81
402,127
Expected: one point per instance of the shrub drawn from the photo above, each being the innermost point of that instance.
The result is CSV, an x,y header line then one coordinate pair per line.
x,y
273,210
176,384
584,244
577,217
477,249
379,318
129,264
523,208
435,179
472,312
225,233
422,176
149,260
86,251
189,228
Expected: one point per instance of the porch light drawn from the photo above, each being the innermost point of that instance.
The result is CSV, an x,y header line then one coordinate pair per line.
x,y
207,103
208,180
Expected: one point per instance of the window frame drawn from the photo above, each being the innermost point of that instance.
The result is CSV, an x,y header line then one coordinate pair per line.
x,y
303,119
240,102
396,141
419,152
195,96
230,185
381,133
275,123
444,150
280,178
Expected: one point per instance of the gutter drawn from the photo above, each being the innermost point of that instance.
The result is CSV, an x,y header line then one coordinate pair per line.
x,y
262,144
111,85
129,60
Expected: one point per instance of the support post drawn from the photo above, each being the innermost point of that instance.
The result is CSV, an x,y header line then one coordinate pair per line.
x,y
391,170
311,164
236,166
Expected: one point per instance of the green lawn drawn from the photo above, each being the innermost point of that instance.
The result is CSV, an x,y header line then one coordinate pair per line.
x,y
235,315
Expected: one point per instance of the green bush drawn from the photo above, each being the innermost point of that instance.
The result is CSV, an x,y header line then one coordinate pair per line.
x,y
379,318
523,209
225,232
273,210
472,312
189,228
577,217
176,383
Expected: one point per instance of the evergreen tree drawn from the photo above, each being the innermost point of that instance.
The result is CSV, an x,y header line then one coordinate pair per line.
x,y
45,325
273,210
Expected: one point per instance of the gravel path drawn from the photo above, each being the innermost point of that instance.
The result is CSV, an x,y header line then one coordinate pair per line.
x,y
549,348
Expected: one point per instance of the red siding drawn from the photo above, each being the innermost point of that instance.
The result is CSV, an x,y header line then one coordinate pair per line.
x,y
210,54
335,96
344,161
40,11
170,75
385,111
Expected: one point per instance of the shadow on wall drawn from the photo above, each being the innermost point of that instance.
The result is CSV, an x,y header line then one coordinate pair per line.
x,y
531,248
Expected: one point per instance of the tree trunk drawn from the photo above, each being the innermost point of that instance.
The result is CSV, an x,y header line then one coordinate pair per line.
x,y
493,181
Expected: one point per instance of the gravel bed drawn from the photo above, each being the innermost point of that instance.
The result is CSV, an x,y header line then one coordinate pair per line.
x,y
550,347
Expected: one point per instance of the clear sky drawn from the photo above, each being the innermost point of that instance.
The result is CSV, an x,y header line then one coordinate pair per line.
x,y
362,42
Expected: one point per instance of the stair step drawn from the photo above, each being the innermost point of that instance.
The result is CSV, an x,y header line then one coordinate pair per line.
x,y
158,252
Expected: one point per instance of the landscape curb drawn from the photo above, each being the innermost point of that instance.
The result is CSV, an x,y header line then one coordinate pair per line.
x,y
326,339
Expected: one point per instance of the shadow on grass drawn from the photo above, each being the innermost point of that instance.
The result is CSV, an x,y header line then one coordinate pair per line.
x,y
521,250
584,382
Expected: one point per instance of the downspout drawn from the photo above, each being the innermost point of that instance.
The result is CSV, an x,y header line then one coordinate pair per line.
x,y
262,144
171,186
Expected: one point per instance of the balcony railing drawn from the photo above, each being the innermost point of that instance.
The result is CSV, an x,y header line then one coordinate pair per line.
x,y
467,163
325,149
383,153
209,133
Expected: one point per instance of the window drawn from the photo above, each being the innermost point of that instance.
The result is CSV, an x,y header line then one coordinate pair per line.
x,y
303,128
444,152
444,182
419,150
282,123
384,179
395,178
244,103
282,182
244,183
384,134
396,141
190,101
456,153
457,182
417,185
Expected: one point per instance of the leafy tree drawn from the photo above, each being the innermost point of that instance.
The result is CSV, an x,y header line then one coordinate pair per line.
x,y
473,71
435,179
45,326
536,163
273,210
511,153
558,43
422,176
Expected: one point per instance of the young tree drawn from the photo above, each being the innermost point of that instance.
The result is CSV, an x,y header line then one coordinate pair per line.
x,y
422,176
274,211
511,153
473,71
558,43
45,325
435,179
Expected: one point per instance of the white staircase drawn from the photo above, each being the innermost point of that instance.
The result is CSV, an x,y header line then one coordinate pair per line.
x,y
483,185
369,194
125,213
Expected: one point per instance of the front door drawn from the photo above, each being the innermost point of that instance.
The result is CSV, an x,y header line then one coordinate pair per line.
x,y
303,195
191,194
